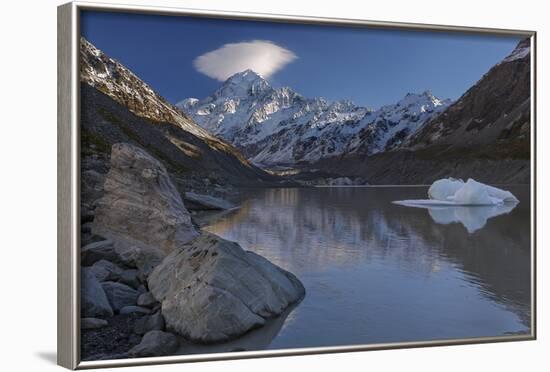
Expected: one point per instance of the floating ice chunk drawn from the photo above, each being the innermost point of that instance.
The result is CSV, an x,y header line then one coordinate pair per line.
x,y
450,191
505,196
474,193
444,189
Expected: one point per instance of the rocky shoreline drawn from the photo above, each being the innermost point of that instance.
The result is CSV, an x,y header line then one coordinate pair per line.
x,y
151,280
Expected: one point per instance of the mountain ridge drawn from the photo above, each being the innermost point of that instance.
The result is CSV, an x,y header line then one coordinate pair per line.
x,y
485,135
120,83
117,106
274,126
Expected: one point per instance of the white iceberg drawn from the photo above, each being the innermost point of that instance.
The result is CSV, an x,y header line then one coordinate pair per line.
x,y
470,203
450,191
444,188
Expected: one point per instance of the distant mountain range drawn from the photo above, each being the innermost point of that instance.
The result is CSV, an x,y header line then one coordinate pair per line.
x,y
281,127
484,135
247,125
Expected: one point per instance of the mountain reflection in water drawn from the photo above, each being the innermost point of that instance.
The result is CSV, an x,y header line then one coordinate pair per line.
x,y
378,272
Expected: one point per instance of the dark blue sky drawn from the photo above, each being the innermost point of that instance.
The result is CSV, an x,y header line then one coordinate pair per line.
x,y
370,67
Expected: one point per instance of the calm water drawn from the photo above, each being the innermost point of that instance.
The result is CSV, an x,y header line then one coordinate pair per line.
x,y
377,272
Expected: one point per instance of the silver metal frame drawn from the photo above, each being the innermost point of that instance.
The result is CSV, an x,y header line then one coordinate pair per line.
x,y
68,180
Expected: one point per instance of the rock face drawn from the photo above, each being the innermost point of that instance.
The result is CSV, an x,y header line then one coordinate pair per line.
x,y
93,300
117,106
212,290
141,201
495,111
155,343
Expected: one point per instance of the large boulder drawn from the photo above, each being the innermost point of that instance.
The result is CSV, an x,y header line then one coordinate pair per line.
x,y
155,343
212,290
141,203
93,300
120,295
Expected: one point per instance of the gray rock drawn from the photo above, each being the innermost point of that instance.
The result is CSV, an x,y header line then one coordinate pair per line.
x,y
212,290
134,339
154,322
146,299
134,310
141,289
155,343
93,299
136,254
141,202
87,238
130,277
106,271
96,251
93,323
206,202
120,295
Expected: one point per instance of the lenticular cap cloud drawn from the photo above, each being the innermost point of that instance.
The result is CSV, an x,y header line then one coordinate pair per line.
x,y
262,56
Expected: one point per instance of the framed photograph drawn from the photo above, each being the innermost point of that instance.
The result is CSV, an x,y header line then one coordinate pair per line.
x,y
235,185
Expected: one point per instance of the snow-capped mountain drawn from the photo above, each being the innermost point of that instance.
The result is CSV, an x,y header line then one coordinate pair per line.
x,y
114,79
279,126
117,106
386,128
485,135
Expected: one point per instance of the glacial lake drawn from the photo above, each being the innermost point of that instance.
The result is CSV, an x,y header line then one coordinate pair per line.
x,y
377,272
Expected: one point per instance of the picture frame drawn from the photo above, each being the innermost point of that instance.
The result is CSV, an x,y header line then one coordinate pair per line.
x,y
69,178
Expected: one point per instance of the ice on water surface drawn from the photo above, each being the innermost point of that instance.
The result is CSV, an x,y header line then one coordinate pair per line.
x,y
450,191
470,203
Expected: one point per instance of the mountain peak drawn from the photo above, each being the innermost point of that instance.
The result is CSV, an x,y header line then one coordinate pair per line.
x,y
116,81
247,77
426,97
243,84
248,74
520,51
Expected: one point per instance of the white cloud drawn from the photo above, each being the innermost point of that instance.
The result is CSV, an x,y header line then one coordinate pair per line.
x,y
264,57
